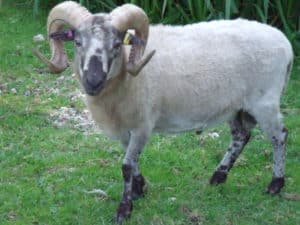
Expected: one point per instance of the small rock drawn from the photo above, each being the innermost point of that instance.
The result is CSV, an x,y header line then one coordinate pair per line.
x,y
76,95
54,90
38,38
12,215
99,192
291,196
3,87
61,78
213,135
27,93
14,91
81,120
172,199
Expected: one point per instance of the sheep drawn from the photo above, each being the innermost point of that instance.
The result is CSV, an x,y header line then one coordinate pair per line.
x,y
201,74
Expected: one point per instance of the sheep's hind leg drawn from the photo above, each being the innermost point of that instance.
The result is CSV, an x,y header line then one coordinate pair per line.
x,y
133,181
269,118
240,129
279,143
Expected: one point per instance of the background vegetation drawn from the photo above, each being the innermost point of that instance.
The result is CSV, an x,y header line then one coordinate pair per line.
x,y
47,169
284,14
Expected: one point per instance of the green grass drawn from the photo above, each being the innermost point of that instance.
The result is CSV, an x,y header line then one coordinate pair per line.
x,y
45,169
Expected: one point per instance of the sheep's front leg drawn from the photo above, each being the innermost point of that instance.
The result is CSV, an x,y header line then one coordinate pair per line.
x,y
133,180
138,181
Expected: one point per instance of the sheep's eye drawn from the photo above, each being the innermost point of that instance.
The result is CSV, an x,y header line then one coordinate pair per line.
x,y
117,45
78,43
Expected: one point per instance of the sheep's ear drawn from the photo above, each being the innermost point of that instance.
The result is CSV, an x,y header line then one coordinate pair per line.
x,y
134,66
126,39
130,39
134,69
65,35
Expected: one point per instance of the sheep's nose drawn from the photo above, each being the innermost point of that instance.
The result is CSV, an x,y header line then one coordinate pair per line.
x,y
93,80
94,74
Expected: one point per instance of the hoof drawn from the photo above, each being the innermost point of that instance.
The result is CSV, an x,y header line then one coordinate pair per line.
x,y
138,187
275,185
123,212
218,177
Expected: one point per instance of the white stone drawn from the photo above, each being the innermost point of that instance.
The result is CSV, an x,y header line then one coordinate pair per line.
x,y
14,91
213,135
38,38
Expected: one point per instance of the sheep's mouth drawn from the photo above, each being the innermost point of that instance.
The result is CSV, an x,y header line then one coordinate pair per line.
x,y
94,78
93,89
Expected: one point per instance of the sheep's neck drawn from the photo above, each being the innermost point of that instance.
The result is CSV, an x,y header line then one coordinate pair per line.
x,y
110,108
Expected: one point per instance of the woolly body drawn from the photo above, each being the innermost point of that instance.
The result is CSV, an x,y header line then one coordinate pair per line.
x,y
201,74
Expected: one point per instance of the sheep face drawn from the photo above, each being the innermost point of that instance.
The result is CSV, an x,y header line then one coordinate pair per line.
x,y
98,55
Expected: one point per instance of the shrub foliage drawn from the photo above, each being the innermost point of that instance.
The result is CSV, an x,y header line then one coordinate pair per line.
x,y
284,14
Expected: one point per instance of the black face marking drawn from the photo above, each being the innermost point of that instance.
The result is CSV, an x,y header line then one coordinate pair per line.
x,y
101,45
94,78
117,44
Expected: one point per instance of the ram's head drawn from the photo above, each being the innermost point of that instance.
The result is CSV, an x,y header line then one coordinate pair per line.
x,y
98,42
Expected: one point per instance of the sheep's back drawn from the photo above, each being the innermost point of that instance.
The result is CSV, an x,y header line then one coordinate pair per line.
x,y
211,69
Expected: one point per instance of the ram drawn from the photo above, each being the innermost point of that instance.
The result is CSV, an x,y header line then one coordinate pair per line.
x,y
201,74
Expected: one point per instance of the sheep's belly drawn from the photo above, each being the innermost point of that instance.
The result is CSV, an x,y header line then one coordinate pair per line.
x,y
183,124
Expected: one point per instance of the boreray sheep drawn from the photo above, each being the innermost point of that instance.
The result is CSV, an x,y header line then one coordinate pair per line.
x,y
200,75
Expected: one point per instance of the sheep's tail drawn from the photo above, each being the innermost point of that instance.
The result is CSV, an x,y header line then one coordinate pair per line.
x,y
290,56
288,74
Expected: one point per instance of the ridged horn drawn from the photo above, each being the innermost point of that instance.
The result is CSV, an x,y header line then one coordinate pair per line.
x,y
129,16
67,13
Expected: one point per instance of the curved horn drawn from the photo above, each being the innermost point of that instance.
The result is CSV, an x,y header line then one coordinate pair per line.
x,y
129,16
67,13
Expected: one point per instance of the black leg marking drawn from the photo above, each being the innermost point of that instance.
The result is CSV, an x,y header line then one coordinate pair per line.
x,y
275,185
219,176
125,206
138,187
279,144
123,212
126,170
240,130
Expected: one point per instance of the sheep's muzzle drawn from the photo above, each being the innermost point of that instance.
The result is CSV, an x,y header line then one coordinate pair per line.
x,y
94,78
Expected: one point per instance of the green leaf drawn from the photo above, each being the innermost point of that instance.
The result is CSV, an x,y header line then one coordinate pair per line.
x,y
260,13
227,9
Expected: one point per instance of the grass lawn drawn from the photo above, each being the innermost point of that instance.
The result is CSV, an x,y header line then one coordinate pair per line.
x,y
47,168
